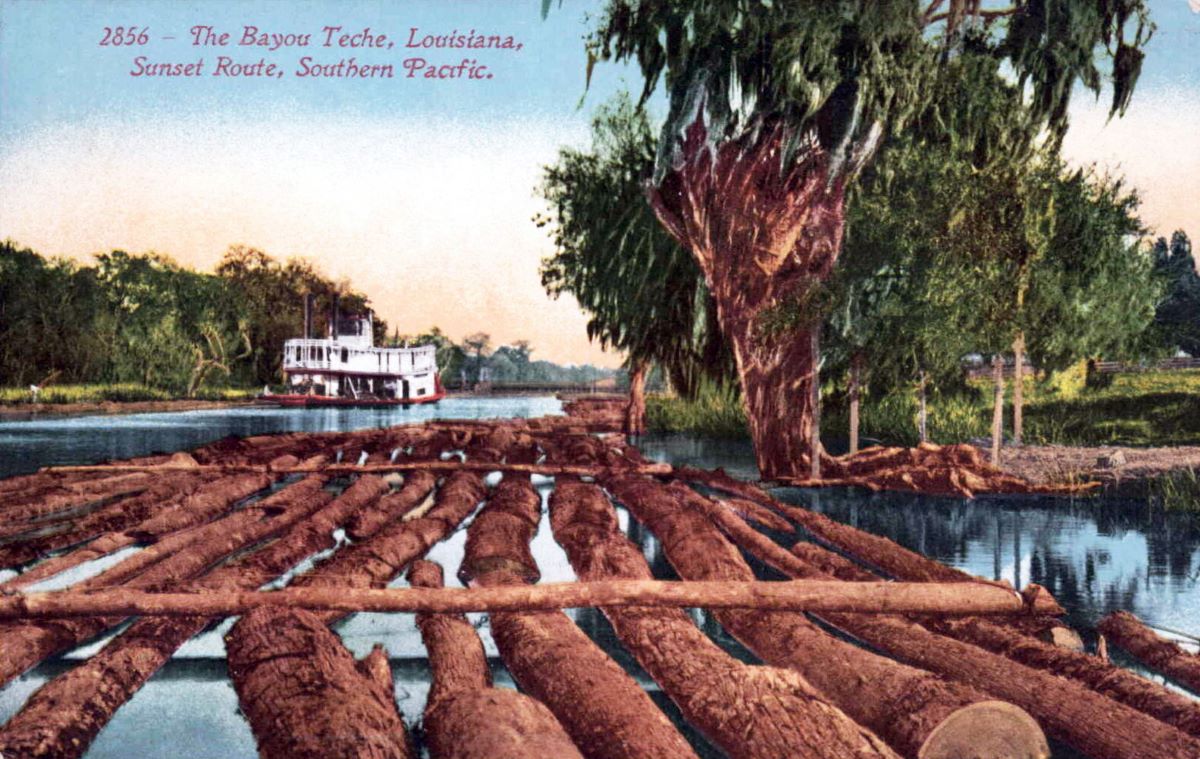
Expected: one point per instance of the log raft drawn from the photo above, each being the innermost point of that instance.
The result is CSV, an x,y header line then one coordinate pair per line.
x,y
202,548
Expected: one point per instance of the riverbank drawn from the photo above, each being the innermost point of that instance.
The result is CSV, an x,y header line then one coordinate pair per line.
x,y
15,412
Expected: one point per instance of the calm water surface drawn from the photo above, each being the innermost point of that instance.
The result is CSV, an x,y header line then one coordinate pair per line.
x,y
1095,557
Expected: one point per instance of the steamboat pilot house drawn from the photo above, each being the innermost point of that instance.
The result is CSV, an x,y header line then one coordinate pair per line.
x,y
345,368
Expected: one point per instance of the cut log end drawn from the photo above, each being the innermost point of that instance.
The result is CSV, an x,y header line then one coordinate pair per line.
x,y
987,730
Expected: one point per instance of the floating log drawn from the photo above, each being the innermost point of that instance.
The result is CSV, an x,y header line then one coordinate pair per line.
x,y
29,641
303,693
433,465
371,565
341,592
45,504
876,692
64,716
1067,710
1115,682
875,551
465,717
110,518
391,507
1161,655
1112,681
602,708
748,711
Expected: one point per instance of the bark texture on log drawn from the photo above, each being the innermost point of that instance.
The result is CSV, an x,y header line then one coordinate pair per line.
x,y
602,708
391,507
304,695
1115,682
917,713
104,527
748,711
28,643
1128,632
1067,710
377,561
465,717
52,502
64,716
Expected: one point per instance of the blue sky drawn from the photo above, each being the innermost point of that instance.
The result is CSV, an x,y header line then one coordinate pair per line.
x,y
419,192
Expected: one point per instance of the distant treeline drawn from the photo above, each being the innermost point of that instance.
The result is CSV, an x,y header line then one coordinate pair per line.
x,y
143,318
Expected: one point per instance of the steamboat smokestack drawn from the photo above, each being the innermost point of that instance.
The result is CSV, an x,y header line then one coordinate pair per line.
x,y
307,316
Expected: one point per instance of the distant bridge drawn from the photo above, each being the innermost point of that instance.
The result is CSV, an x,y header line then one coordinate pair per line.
x,y
528,388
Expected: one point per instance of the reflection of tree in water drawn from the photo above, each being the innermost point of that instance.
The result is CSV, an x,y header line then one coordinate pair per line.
x,y
1094,556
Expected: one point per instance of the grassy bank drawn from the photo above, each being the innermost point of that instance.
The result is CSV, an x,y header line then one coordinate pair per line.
x,y
1139,409
118,393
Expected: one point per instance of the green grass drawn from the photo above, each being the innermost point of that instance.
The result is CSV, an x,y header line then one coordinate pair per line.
x,y
1177,491
119,392
1138,409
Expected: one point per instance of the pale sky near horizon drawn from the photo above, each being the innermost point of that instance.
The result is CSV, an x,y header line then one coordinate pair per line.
x,y
420,192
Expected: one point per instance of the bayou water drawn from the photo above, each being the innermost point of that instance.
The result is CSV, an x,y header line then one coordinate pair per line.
x,y
1094,556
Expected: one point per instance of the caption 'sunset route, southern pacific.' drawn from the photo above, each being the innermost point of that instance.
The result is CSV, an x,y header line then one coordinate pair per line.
x,y
333,37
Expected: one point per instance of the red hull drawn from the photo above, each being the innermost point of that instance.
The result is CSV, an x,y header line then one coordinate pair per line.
x,y
310,401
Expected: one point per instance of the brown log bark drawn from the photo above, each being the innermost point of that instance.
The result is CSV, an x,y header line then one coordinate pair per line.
x,y
436,465
48,503
64,716
997,407
303,693
1053,654
1067,710
602,708
367,522
465,717
1115,682
109,520
748,711
1128,632
1018,388
28,642
635,412
371,565
917,713
764,238
348,588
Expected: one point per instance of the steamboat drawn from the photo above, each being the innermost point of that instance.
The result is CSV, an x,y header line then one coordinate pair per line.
x,y
345,368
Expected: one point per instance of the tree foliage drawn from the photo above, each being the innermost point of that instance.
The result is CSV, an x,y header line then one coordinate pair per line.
x,y
836,71
1178,315
642,291
144,318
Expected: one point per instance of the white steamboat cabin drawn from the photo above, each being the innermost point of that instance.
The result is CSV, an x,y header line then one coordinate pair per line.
x,y
346,368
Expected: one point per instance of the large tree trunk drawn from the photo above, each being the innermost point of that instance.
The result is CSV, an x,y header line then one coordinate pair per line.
x,y
635,412
765,238
855,392
1018,389
815,401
